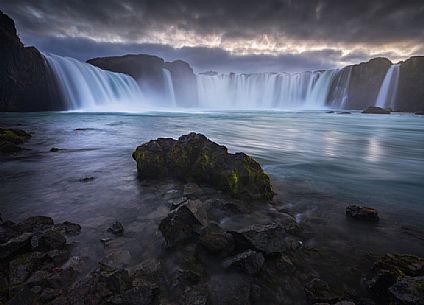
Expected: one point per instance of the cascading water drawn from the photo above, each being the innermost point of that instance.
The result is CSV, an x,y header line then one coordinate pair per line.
x,y
388,90
169,87
265,90
339,92
86,87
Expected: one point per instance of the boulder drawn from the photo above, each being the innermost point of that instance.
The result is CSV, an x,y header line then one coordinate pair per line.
x,y
215,241
377,110
195,158
249,262
183,223
419,113
229,289
48,240
266,238
116,228
410,291
318,291
362,213
15,246
390,269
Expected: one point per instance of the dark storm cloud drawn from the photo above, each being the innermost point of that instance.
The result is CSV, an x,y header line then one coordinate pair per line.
x,y
294,29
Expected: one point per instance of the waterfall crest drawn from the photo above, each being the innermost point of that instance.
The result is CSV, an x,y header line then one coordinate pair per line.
x,y
307,90
388,90
86,87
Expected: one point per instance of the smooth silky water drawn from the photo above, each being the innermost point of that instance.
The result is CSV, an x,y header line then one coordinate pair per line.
x,y
319,163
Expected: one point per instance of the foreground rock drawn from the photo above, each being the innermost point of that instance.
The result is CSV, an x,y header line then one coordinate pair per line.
x,y
362,213
397,278
33,254
10,139
377,110
193,157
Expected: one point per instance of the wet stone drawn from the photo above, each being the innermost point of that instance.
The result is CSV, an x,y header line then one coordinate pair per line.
x,y
116,228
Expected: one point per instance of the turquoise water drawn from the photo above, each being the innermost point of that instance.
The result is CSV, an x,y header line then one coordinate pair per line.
x,y
370,159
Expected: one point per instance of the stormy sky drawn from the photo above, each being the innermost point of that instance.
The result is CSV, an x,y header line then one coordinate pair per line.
x,y
226,35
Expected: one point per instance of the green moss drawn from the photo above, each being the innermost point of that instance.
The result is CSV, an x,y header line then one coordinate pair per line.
x,y
233,182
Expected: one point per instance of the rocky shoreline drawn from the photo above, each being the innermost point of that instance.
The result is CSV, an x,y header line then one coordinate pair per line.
x,y
217,246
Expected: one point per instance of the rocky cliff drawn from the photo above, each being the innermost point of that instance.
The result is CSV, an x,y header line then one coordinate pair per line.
x,y
26,82
149,72
365,82
410,94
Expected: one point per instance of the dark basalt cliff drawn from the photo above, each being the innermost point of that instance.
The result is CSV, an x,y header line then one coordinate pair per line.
x,y
410,95
26,82
148,71
365,82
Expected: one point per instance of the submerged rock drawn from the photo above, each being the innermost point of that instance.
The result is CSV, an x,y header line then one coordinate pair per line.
x,y
344,112
377,110
362,213
116,228
195,158
11,138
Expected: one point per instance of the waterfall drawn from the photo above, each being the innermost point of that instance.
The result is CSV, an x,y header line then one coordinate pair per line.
x,y
340,88
169,87
307,90
86,87
388,90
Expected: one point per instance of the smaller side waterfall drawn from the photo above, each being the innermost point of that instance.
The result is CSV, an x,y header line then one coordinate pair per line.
x,y
339,92
169,87
388,90
86,87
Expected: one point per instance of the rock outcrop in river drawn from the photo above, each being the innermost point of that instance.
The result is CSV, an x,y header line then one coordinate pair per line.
x,y
193,157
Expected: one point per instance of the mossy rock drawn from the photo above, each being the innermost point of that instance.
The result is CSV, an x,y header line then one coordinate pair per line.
x,y
11,138
390,269
195,158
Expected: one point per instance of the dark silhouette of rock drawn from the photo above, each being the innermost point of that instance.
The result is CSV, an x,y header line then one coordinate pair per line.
x,y
419,113
365,82
410,93
26,82
344,112
318,291
362,213
266,238
377,110
193,157
116,228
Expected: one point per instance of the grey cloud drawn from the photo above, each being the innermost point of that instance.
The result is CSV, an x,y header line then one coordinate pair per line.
x,y
331,22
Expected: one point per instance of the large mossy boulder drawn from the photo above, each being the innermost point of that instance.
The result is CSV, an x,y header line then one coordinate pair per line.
x,y
195,158
11,138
